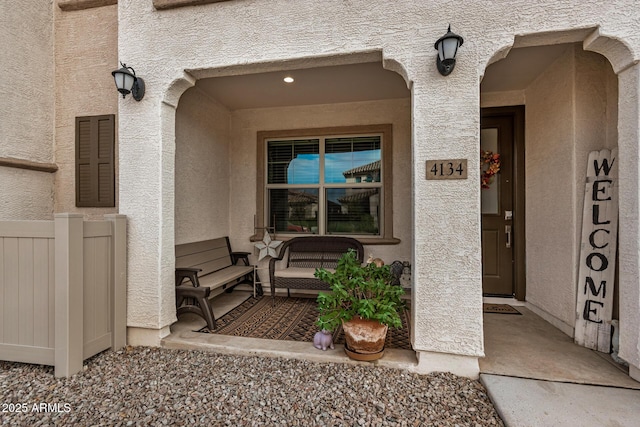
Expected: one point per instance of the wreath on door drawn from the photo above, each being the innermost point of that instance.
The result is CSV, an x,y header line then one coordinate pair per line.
x,y
489,166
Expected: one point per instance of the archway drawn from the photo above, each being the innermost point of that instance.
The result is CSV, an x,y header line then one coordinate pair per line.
x,y
570,97
219,113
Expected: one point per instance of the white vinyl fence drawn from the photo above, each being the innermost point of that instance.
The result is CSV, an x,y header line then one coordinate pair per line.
x,y
62,290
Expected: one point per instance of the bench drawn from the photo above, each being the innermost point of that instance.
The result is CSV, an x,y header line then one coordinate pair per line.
x,y
299,257
204,266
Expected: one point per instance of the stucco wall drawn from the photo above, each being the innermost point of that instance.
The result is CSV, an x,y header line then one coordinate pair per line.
x,y
25,195
568,114
246,124
629,211
597,123
202,169
238,36
86,53
550,197
26,107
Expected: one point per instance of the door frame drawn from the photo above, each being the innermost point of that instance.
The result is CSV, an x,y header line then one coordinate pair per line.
x,y
517,113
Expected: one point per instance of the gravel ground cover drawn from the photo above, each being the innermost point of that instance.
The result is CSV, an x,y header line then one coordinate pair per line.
x,y
143,386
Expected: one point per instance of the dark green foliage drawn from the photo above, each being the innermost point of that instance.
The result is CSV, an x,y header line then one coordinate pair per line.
x,y
358,291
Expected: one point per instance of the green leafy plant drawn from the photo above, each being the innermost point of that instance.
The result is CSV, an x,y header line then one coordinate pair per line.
x,y
365,291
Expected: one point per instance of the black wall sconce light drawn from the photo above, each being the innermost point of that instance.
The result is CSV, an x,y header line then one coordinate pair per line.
x,y
447,47
127,82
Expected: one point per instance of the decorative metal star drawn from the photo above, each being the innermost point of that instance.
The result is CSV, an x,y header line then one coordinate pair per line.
x,y
267,246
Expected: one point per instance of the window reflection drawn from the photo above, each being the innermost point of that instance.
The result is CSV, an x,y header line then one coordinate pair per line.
x,y
293,162
325,185
294,210
352,160
353,210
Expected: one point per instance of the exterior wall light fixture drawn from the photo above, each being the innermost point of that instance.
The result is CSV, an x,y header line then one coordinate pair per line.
x,y
127,82
447,47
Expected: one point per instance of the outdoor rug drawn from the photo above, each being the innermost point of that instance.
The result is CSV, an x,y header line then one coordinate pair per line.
x,y
290,319
499,308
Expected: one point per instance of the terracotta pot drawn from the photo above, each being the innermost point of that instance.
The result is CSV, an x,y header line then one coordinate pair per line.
x,y
362,356
364,336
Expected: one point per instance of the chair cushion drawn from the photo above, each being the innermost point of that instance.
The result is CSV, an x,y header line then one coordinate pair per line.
x,y
298,272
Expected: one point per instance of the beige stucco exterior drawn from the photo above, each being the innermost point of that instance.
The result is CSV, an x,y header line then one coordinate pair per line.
x,y
26,127
59,63
203,145
86,53
446,244
180,152
559,137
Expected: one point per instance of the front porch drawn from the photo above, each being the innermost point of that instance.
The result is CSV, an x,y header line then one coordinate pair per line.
x,y
184,335
521,346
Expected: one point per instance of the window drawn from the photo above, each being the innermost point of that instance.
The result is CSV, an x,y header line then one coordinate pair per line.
x,y
326,181
95,171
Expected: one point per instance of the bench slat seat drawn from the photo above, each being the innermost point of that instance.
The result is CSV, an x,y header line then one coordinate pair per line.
x,y
220,278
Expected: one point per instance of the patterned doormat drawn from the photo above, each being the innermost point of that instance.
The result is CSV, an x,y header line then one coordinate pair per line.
x,y
290,319
499,308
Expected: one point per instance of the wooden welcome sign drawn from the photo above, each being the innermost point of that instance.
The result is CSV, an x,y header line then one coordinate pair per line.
x,y
598,252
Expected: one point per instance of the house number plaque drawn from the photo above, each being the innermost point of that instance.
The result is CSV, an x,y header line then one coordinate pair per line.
x,y
447,169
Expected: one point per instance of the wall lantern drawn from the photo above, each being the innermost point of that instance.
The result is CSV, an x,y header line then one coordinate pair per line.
x,y
127,82
447,47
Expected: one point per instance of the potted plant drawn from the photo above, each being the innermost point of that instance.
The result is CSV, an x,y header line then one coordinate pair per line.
x,y
364,301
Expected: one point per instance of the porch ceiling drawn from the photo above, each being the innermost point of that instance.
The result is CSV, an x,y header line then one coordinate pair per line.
x,y
320,85
362,82
521,67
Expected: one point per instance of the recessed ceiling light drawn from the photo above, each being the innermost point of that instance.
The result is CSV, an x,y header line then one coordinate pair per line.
x,y
288,79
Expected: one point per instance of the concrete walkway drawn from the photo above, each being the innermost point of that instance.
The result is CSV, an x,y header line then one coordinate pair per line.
x,y
536,376
531,403
526,346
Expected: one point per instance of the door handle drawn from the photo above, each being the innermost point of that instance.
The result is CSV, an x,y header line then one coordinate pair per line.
x,y
507,230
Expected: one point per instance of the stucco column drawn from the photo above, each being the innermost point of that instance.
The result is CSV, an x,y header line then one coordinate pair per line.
x,y
147,157
447,274
629,223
